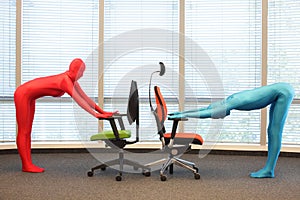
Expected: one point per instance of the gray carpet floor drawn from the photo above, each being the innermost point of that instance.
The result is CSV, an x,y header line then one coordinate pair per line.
x,y
222,177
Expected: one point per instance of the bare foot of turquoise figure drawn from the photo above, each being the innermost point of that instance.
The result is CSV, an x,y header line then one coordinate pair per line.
x,y
279,96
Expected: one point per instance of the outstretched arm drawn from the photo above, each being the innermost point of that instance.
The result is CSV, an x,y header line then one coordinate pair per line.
x,y
187,111
195,111
90,101
86,103
215,110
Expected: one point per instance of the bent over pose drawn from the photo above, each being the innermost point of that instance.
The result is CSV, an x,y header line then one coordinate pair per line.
x,y
278,95
25,97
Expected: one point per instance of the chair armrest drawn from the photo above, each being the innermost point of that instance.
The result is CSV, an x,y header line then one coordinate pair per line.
x,y
178,119
174,128
119,115
113,123
115,116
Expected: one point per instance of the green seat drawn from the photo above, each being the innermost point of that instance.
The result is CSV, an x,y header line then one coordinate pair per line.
x,y
109,134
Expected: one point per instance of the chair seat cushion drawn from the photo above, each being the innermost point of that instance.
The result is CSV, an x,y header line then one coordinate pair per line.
x,y
109,134
185,138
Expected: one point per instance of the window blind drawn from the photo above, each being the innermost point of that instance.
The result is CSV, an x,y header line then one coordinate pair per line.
x,y
54,33
7,70
138,34
229,34
283,56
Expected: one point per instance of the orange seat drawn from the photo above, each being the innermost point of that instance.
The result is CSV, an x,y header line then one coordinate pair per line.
x,y
183,138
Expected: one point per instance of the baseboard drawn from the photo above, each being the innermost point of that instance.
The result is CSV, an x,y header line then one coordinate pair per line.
x,y
147,150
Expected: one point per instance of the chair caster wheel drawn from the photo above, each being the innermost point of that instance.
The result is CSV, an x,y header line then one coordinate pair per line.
x,y
118,178
147,173
197,176
90,174
163,177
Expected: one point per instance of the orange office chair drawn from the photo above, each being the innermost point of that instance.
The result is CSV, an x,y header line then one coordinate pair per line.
x,y
173,143
118,139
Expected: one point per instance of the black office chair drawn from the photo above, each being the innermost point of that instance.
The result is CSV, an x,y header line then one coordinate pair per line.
x,y
173,143
117,138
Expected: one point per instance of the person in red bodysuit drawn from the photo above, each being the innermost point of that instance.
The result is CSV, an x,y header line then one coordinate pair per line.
x,y
56,85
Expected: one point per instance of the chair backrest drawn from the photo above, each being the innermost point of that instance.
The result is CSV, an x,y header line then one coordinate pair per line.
x,y
133,108
133,104
161,111
161,107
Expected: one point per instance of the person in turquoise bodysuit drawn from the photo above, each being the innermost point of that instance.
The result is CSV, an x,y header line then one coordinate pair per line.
x,y
26,95
278,95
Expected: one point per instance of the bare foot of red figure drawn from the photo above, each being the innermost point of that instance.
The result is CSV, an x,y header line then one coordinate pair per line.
x,y
56,85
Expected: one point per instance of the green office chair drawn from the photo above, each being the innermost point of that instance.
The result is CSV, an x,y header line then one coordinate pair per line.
x,y
117,138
